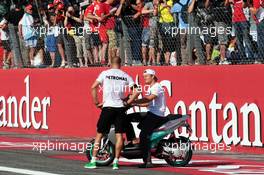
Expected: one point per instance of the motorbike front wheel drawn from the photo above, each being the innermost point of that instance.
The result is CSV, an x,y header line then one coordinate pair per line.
x,y
105,155
180,156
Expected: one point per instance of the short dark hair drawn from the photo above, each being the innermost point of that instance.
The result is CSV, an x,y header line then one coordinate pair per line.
x,y
116,60
155,78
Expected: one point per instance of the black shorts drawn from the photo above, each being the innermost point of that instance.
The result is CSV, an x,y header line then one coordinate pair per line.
x,y
59,39
111,116
95,39
6,45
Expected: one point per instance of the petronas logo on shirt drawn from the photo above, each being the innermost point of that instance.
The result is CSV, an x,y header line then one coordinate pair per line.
x,y
111,77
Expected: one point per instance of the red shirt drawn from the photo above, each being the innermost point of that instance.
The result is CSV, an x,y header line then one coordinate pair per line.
x,y
110,22
145,20
59,19
257,3
96,9
238,15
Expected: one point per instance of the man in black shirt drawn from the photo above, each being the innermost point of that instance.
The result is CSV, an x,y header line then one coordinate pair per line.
x,y
75,22
223,20
193,38
132,29
13,17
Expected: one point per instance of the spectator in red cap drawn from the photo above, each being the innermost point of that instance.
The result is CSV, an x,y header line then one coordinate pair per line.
x,y
27,32
59,19
56,2
51,8
94,14
242,27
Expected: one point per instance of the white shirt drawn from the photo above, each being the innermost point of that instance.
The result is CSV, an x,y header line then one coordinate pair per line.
x,y
158,105
260,14
115,82
4,33
27,22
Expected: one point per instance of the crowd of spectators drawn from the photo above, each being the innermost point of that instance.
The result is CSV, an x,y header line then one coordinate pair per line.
x,y
151,32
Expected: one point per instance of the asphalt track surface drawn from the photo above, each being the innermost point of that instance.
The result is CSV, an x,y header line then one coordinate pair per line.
x,y
18,155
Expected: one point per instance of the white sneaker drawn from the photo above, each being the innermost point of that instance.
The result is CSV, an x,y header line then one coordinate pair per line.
x,y
257,62
224,62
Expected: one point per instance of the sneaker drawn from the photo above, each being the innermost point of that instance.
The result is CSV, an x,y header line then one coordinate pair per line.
x,y
257,62
146,165
115,166
90,165
224,62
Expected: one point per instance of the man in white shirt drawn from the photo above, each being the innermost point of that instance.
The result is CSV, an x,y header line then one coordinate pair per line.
x,y
27,31
115,82
156,104
4,35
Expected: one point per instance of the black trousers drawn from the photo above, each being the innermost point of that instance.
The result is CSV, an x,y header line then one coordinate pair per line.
x,y
149,124
133,117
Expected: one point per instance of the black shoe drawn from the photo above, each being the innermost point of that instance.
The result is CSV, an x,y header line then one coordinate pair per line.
x,y
146,165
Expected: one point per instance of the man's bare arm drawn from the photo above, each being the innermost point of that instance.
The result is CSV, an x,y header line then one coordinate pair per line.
x,y
134,95
191,7
146,99
94,89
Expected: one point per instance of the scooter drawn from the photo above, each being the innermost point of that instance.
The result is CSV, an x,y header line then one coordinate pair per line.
x,y
164,144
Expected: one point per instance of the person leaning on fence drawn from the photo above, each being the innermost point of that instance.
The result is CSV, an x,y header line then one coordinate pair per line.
x,y
223,21
242,29
132,30
59,11
27,32
257,11
148,29
75,25
51,44
154,44
91,14
206,20
166,23
99,15
110,25
13,18
194,43
4,34
69,41
180,9
145,36
87,36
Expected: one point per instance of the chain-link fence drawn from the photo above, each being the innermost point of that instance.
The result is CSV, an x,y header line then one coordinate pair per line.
x,y
180,38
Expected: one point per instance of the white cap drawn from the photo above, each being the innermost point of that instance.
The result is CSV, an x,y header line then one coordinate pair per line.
x,y
149,72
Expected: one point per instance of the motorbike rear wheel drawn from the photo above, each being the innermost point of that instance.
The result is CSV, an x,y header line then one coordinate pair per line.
x,y
105,155
184,159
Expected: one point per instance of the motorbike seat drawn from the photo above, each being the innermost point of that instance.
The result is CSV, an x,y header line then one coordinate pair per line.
x,y
169,121
173,116
168,118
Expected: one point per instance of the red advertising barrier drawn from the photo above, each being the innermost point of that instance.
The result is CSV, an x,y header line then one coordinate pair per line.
x,y
225,102
1,56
